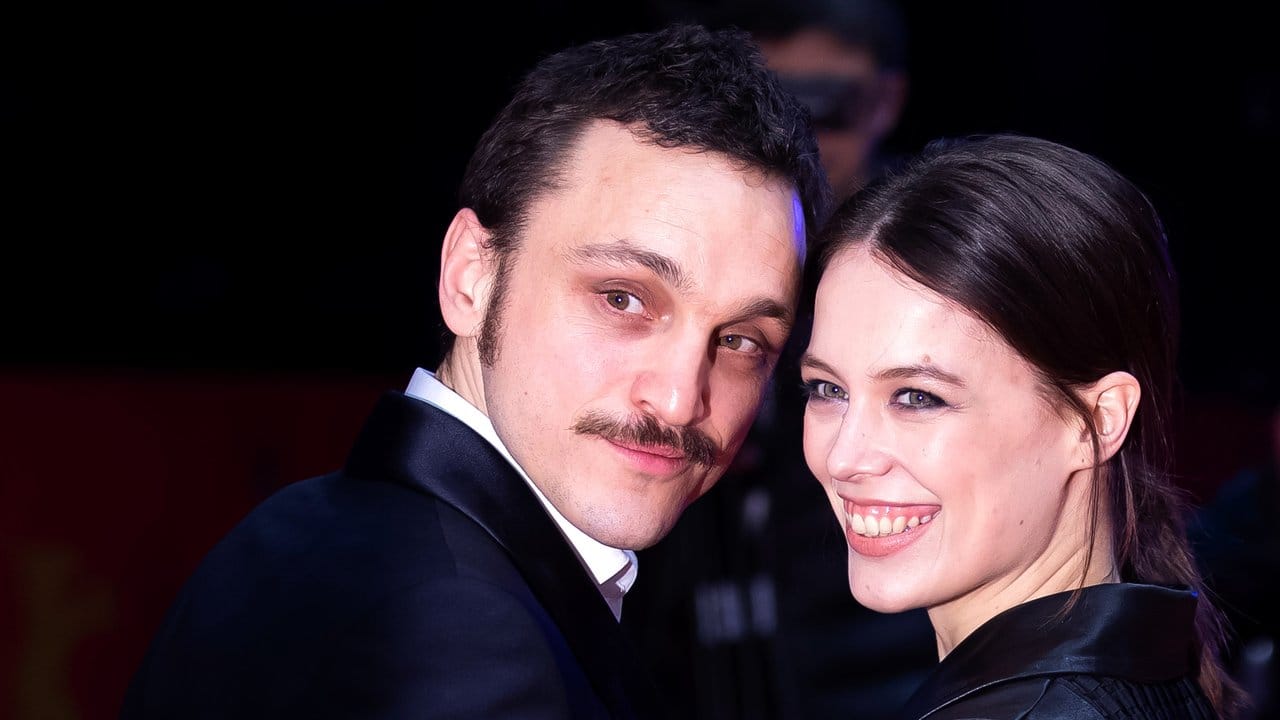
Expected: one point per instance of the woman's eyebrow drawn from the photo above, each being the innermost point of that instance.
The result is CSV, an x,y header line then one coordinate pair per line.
x,y
928,370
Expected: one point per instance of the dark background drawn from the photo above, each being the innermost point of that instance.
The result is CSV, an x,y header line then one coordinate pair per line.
x,y
266,186
220,226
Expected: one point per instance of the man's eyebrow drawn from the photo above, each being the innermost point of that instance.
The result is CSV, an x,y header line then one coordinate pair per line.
x,y
623,252
764,307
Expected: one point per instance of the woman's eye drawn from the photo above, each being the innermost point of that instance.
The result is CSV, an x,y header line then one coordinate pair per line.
x,y
823,390
741,343
917,399
624,301
834,392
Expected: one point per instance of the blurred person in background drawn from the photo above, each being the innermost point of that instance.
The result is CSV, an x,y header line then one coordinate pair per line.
x,y
846,61
1237,543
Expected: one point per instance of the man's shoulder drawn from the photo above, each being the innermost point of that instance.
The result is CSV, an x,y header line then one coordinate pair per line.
x,y
353,589
355,530
320,552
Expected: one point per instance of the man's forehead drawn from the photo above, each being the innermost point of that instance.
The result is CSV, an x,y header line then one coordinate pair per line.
x,y
684,215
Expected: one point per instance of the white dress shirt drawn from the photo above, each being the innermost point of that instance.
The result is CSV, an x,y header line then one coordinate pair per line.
x,y
612,569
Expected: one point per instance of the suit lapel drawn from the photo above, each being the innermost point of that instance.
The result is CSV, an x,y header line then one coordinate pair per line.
x,y
418,445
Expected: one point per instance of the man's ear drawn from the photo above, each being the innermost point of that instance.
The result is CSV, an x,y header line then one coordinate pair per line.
x,y
466,274
1113,402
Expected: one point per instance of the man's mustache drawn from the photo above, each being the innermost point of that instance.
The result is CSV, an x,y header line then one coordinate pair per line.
x,y
694,444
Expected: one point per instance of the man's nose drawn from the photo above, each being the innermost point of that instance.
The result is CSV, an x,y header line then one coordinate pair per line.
x,y
674,382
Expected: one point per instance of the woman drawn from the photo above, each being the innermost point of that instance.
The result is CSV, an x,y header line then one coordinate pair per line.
x,y
989,381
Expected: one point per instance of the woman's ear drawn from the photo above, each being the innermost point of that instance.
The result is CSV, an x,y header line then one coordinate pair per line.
x,y
466,272
1113,401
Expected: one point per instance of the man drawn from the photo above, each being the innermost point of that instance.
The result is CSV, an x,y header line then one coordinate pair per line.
x,y
620,282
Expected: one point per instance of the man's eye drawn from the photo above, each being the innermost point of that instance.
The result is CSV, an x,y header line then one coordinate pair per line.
x,y
624,301
740,343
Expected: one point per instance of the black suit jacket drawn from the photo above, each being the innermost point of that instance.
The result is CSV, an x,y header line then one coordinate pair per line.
x,y
424,580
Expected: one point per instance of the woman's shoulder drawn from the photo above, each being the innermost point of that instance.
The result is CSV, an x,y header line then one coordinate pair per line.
x,y
1029,697
1080,696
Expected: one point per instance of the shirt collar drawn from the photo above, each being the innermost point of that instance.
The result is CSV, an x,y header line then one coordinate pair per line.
x,y
614,570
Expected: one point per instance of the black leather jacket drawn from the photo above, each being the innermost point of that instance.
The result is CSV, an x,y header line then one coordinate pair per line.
x,y
1124,651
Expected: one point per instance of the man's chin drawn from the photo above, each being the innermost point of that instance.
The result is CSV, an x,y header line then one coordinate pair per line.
x,y
636,512
633,535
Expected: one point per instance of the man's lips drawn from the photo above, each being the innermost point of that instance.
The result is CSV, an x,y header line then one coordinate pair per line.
x,y
662,451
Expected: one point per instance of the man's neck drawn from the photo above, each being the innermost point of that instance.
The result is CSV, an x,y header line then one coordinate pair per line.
x,y
460,372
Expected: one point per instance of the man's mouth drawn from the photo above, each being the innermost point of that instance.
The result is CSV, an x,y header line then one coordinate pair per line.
x,y
659,450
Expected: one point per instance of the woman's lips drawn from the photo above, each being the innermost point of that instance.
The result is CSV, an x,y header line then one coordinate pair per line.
x,y
877,529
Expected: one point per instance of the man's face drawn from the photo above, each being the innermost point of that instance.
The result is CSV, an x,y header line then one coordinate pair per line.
x,y
642,316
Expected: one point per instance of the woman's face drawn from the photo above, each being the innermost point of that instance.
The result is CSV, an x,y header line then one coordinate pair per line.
x,y
944,463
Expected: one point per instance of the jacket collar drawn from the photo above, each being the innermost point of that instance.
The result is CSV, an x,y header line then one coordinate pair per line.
x,y
1143,633
414,444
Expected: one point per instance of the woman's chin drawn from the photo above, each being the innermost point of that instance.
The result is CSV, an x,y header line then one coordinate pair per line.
x,y
874,597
